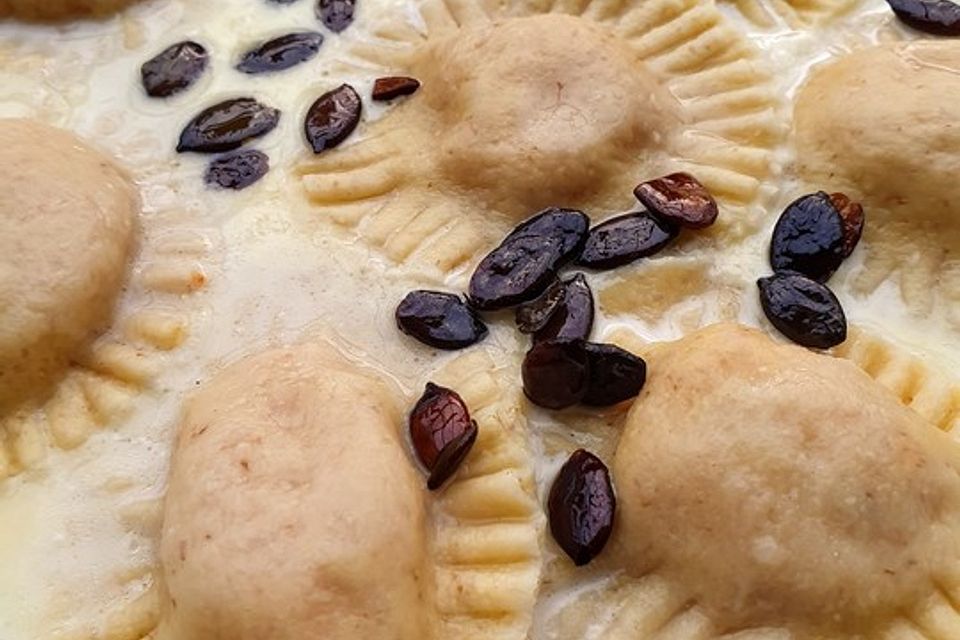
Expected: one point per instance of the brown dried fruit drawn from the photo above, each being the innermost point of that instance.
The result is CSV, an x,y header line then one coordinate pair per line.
x,y
174,69
439,418
582,506
336,15
556,373
227,125
394,87
332,118
281,53
853,219
452,457
939,17
237,170
679,198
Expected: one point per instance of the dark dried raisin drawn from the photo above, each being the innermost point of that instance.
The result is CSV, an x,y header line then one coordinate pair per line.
x,y
281,53
332,118
582,506
803,310
680,199
853,219
439,417
174,69
394,87
534,315
238,170
616,375
527,260
938,17
336,15
626,238
228,125
556,373
809,238
572,318
452,457
438,319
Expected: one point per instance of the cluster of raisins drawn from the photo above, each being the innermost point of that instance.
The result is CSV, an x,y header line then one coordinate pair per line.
x,y
813,236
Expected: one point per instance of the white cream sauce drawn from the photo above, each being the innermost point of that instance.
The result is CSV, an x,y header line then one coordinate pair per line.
x,y
68,556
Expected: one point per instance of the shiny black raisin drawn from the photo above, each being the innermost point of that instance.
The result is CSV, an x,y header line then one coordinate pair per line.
x,y
534,315
938,17
803,310
572,318
809,238
626,238
679,199
332,118
556,373
393,87
527,260
439,417
582,507
452,457
440,320
336,15
238,170
228,125
281,53
616,375
174,69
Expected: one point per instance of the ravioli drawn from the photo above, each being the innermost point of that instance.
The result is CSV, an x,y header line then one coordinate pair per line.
x,y
895,152
60,9
570,105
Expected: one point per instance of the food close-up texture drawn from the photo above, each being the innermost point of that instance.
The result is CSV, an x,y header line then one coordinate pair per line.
x,y
480,320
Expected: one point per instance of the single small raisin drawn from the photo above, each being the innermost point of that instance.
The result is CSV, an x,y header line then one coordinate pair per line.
x,y
803,310
937,17
452,457
440,320
809,238
336,15
626,238
281,53
616,375
332,118
680,199
227,125
581,507
572,318
394,87
527,260
534,315
439,417
556,373
174,69
237,170
853,219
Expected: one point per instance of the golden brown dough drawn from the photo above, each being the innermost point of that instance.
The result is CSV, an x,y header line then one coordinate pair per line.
x,y
781,487
53,10
293,511
67,228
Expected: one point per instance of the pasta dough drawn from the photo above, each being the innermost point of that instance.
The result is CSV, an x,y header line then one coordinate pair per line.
x,y
781,487
60,9
68,229
292,508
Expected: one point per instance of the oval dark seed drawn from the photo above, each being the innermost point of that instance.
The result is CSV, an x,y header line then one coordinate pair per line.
x,y
853,220
394,87
626,238
452,457
616,375
174,69
556,373
238,170
439,417
227,125
440,320
336,15
803,310
572,318
809,238
581,507
332,118
938,17
527,260
534,315
281,53
680,199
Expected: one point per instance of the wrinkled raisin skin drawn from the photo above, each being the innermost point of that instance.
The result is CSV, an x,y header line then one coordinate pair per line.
x,y
439,417
937,17
581,507
616,375
534,315
452,457
556,373
680,199
174,69
809,238
853,221
625,239
281,53
394,87
238,170
572,317
227,125
803,310
336,15
332,118
440,320
527,260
